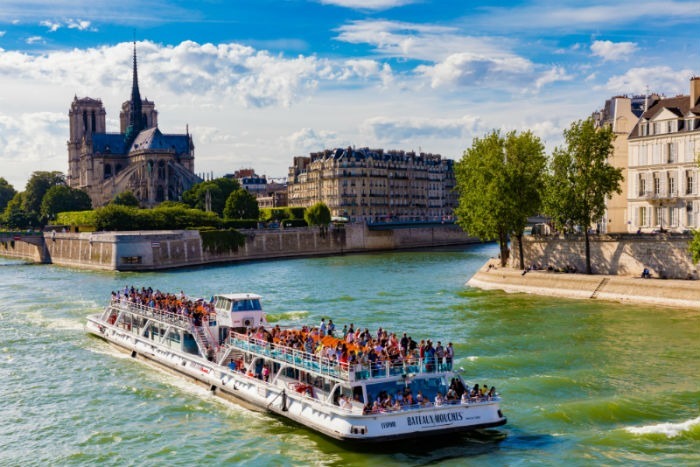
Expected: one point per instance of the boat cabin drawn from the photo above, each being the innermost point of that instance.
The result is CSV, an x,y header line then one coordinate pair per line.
x,y
239,311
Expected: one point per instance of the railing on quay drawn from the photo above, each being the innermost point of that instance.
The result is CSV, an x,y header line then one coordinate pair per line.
x,y
325,366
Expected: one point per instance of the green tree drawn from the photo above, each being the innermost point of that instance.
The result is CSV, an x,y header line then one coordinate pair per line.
x,y
694,246
241,205
126,198
499,179
37,186
60,198
219,190
15,216
7,191
320,215
580,178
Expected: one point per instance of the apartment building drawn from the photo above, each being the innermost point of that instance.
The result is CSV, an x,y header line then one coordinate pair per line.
x,y
373,185
663,167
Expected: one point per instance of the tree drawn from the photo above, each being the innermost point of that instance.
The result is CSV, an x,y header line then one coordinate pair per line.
x,y
219,190
694,246
241,205
580,179
499,180
60,198
37,186
7,191
15,217
320,215
126,198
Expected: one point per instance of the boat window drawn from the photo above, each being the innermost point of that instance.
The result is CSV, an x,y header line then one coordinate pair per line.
x,y
247,305
427,386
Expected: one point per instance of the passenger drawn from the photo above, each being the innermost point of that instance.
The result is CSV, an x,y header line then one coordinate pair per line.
x,y
492,392
465,398
438,399
419,398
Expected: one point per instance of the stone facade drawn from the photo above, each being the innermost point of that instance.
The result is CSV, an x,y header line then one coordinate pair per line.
x,y
620,114
375,185
665,255
154,166
663,171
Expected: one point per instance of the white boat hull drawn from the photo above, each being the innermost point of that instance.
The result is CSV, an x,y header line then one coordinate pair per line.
x,y
284,401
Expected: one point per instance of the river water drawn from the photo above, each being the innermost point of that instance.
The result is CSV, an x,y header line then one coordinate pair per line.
x,y
584,382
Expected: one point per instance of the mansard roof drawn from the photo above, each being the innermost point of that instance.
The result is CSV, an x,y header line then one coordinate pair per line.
x,y
108,143
679,106
153,139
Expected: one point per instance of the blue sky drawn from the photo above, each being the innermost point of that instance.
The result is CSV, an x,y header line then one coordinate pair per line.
x,y
260,81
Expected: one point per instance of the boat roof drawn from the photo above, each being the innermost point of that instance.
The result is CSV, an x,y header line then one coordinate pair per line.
x,y
239,296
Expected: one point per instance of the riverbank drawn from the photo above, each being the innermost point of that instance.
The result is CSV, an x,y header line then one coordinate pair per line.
x,y
155,250
628,289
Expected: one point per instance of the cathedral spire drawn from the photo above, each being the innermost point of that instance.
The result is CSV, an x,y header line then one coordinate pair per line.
x,y
135,111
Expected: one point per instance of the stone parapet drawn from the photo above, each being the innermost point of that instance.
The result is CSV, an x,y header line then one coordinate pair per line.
x,y
665,255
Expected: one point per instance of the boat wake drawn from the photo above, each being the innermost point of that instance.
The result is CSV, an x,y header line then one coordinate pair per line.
x,y
297,315
671,430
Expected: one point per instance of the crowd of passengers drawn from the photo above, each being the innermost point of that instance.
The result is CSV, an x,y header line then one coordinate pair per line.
x,y
404,399
180,304
353,346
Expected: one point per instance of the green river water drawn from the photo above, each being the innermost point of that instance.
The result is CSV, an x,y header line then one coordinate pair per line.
x,y
583,382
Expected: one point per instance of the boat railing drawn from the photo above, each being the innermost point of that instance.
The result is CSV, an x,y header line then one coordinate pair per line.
x,y
345,371
169,317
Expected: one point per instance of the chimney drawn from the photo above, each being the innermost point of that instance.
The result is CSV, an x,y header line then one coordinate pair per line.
x,y
694,90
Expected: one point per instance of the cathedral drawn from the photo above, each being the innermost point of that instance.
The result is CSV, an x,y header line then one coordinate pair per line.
x,y
155,167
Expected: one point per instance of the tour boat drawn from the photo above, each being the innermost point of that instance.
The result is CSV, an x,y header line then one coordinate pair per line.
x,y
231,349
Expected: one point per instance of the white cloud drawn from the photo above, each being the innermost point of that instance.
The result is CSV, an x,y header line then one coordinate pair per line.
x,y
2,33
368,4
34,40
543,14
610,51
470,69
552,75
397,130
52,26
417,41
79,24
661,79
308,140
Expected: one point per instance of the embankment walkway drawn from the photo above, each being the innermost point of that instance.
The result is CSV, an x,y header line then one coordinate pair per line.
x,y
665,292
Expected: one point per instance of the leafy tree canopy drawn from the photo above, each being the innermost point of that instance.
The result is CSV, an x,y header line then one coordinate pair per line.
x,y
126,198
241,205
580,178
7,191
499,179
219,190
318,214
61,198
37,186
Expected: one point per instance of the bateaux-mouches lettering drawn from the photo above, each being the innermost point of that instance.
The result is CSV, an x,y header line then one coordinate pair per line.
x,y
434,419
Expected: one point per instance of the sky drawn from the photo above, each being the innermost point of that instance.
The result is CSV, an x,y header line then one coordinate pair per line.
x,y
258,82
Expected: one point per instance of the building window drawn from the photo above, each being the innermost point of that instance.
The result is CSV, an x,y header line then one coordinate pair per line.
x,y
671,152
689,183
659,216
643,155
690,215
672,186
643,221
672,218
642,185
657,184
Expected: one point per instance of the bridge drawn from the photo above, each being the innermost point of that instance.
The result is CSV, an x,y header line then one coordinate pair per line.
x,y
33,237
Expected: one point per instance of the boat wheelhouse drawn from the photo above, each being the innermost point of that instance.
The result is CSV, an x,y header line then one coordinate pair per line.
x,y
299,373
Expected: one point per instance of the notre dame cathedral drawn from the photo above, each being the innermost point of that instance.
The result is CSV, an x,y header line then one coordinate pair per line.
x,y
154,166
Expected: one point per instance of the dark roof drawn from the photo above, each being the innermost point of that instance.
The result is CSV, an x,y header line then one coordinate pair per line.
x,y
679,105
108,143
154,139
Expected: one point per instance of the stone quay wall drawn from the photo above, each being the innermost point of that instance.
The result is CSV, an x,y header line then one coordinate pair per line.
x,y
152,250
665,255
626,289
